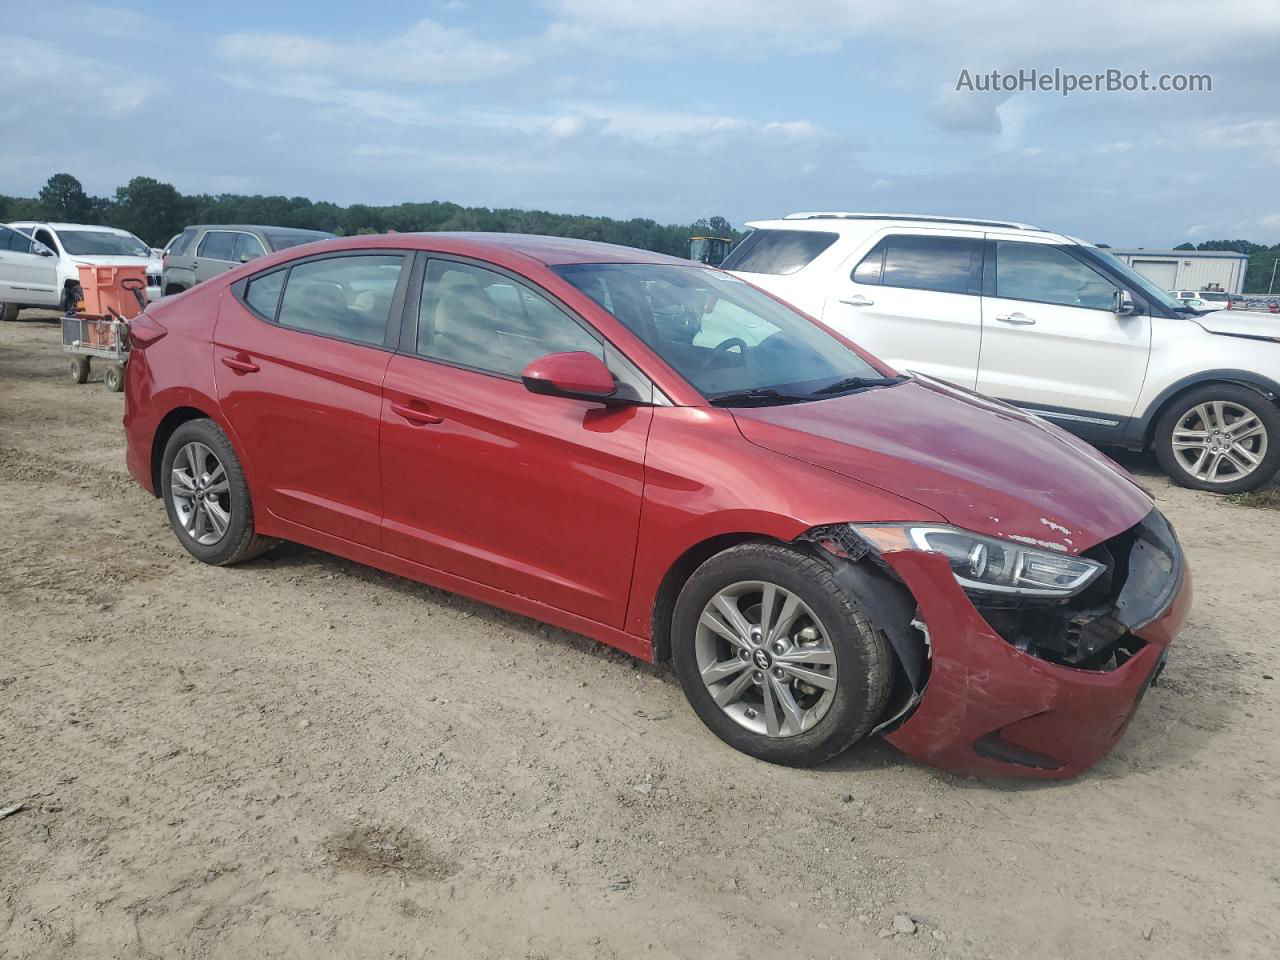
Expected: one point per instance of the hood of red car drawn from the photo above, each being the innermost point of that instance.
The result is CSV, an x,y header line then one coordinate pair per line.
x,y
982,464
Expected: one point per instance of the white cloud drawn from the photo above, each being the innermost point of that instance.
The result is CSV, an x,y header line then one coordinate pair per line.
x,y
54,81
426,53
997,27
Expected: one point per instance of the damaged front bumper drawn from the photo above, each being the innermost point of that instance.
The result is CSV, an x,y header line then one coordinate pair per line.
x,y
1029,691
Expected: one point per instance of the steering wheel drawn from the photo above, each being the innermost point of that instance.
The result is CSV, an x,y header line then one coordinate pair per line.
x,y
724,346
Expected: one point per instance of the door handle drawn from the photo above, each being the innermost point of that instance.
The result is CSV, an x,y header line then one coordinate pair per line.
x,y
1017,319
415,415
858,300
240,365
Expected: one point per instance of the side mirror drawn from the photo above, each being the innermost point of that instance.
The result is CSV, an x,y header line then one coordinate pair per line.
x,y
578,374
1125,307
40,249
245,258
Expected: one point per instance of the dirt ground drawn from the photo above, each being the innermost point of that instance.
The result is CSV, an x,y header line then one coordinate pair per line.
x,y
304,757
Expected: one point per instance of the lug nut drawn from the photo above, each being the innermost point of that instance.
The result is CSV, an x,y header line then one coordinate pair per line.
x,y
757,677
777,672
779,649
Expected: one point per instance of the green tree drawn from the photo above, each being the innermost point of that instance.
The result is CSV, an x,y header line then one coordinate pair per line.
x,y
63,198
150,209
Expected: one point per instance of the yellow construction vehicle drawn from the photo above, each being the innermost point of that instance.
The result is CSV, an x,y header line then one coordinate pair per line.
x,y
708,250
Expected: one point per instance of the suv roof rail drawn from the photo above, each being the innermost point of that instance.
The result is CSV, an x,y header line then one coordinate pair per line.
x,y
920,217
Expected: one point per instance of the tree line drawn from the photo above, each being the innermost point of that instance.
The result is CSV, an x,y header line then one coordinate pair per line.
x,y
155,211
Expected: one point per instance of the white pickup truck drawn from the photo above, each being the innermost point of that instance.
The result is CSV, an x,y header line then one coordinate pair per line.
x,y
40,262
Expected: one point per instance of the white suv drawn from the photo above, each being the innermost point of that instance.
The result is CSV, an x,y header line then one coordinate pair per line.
x,y
40,262
1044,321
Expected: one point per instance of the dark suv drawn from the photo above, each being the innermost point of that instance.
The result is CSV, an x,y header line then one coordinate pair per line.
x,y
201,252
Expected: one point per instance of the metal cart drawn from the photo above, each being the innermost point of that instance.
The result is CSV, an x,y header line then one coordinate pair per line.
x,y
105,298
104,338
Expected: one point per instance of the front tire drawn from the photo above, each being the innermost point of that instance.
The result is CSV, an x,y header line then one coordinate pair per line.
x,y
776,658
1220,437
113,377
80,370
8,312
206,496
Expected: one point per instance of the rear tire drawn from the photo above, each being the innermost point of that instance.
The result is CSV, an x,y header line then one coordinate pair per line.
x,y
8,312
829,642
1210,437
113,377
206,496
80,369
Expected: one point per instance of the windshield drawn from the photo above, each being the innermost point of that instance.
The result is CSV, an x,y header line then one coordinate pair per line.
x,y
722,335
283,241
99,243
1136,280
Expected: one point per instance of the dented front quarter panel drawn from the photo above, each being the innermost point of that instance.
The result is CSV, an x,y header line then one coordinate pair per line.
x,y
980,685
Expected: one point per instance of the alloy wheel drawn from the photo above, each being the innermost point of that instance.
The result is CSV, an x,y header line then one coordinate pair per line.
x,y
1219,441
766,659
200,494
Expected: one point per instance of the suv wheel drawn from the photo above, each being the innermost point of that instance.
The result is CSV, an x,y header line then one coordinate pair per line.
x,y
775,658
206,496
1220,437
8,311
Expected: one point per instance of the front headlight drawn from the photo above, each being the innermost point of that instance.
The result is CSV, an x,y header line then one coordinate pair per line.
x,y
988,564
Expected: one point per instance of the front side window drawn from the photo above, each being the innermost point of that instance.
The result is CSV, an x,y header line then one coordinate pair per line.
x,y
218,245
247,247
1045,274
483,319
942,264
734,344
777,251
99,243
344,297
14,241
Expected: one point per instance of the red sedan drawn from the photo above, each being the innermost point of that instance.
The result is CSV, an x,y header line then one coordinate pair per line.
x,y
660,456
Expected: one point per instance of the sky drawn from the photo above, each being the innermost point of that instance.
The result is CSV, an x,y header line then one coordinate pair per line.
x,y
669,109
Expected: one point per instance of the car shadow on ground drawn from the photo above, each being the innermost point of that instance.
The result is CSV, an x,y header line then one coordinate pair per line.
x,y
1154,741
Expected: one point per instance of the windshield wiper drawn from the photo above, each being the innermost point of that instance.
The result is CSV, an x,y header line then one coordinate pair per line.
x,y
857,383
762,397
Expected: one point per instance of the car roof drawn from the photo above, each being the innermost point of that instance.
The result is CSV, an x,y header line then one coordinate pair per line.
x,y
549,251
259,227
862,223
93,227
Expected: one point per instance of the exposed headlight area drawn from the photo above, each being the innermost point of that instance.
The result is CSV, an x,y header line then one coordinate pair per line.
x,y
987,564
1075,611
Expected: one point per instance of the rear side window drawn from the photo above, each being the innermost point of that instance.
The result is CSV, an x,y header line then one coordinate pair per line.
x,y
1045,274
942,264
344,297
217,245
777,251
263,293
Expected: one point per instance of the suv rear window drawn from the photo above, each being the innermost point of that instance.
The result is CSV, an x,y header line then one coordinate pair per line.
x,y
179,246
777,251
